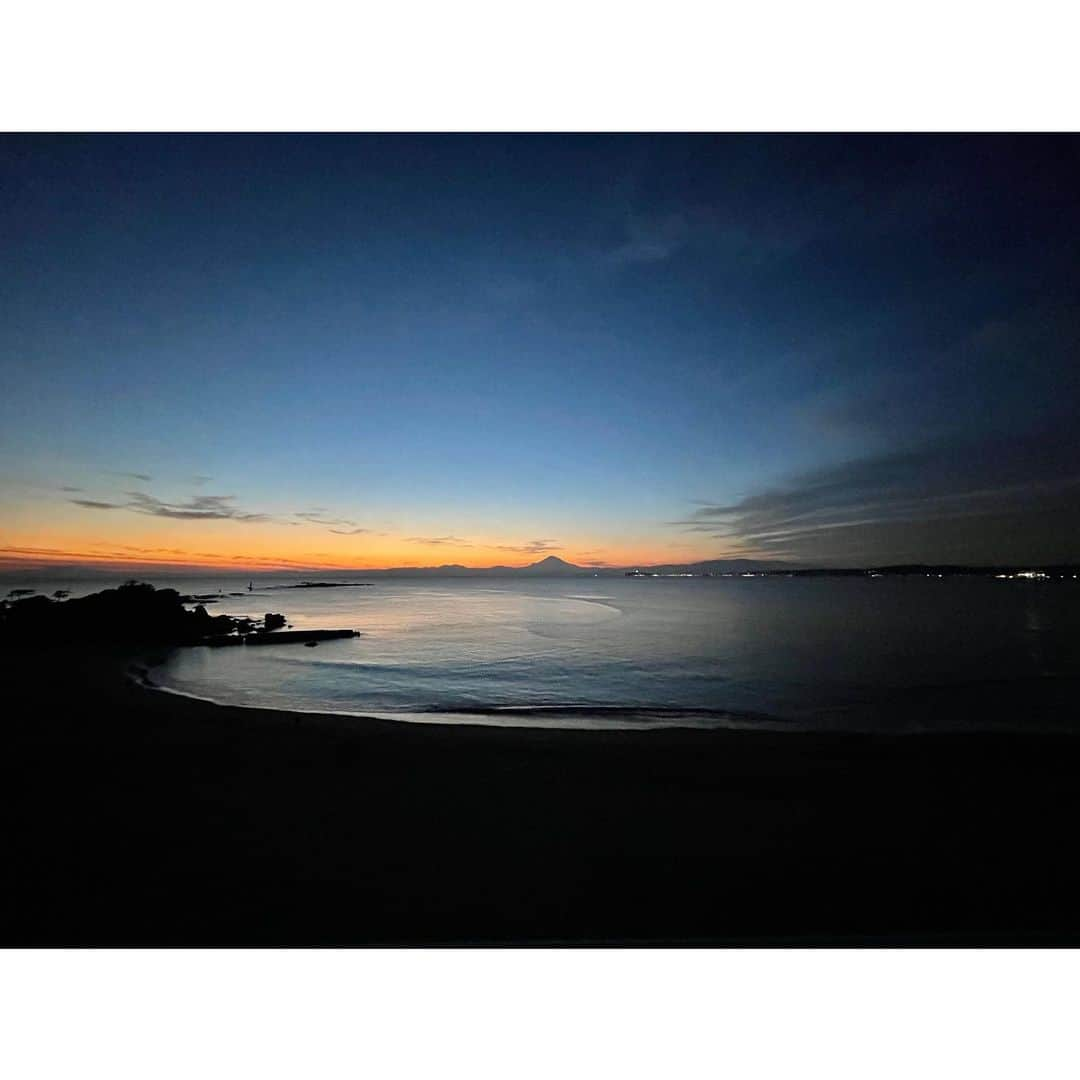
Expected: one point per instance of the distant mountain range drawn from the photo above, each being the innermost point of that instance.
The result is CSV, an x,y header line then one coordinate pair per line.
x,y
553,566
550,567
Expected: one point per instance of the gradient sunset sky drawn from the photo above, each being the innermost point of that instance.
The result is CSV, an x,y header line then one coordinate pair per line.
x,y
382,351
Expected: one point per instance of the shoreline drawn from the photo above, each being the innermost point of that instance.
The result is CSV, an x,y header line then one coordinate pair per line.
x,y
462,718
148,818
1046,701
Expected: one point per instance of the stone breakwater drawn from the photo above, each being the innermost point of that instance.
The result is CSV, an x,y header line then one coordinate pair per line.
x,y
278,637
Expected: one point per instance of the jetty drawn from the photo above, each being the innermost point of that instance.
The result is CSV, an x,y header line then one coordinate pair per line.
x,y
277,637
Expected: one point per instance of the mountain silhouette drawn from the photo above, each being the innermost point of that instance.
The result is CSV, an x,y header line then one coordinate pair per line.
x,y
551,565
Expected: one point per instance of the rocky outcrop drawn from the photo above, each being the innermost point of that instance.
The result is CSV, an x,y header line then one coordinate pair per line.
x,y
132,613
139,614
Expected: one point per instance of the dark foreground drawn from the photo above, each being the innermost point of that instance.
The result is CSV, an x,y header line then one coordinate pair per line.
x,y
140,818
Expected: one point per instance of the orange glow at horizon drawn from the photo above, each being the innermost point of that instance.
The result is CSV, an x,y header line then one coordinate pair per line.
x,y
222,546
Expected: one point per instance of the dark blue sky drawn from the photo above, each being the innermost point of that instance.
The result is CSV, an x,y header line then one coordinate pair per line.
x,y
828,349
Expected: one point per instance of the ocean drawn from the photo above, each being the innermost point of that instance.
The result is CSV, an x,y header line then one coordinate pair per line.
x,y
899,654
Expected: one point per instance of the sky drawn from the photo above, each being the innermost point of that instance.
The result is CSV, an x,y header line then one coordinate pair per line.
x,y
368,351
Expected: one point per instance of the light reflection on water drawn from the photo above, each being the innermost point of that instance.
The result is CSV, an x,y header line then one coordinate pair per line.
x,y
834,652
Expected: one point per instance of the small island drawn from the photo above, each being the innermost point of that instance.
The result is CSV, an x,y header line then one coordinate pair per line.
x,y
323,585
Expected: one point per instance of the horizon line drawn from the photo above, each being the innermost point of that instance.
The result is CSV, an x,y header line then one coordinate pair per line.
x,y
104,565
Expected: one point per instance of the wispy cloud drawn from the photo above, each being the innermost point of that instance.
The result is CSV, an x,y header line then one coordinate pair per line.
x,y
652,239
532,547
144,550
119,555
947,500
94,504
313,562
318,516
207,507
454,541
592,558
197,508
22,554
144,477
773,201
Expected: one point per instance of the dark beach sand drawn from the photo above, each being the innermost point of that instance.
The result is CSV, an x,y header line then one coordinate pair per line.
x,y
142,818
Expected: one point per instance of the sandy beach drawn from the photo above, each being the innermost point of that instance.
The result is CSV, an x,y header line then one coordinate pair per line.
x,y
144,818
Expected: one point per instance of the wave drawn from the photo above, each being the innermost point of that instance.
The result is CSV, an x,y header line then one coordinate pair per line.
x,y
577,716
599,601
628,712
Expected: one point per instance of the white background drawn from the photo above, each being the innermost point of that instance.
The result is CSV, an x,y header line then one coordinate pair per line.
x,y
557,65
517,1014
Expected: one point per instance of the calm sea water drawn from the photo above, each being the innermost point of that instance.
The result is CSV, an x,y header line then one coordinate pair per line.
x,y
874,653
